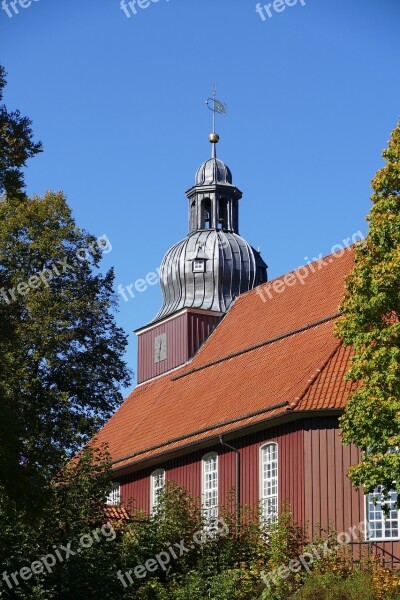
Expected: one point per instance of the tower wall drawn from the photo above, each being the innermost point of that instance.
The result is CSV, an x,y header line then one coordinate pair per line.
x,y
184,333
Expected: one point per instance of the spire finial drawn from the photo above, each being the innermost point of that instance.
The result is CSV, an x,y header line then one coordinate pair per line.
x,y
217,107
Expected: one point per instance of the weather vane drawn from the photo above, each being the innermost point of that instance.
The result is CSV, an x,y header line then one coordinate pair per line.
x,y
216,107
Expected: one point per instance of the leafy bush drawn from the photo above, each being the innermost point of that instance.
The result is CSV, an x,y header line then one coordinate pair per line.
x,y
330,586
372,584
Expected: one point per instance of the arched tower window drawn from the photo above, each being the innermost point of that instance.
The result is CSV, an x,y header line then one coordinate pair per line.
x,y
192,215
206,214
269,480
223,213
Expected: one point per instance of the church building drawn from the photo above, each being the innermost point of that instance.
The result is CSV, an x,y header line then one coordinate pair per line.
x,y
241,382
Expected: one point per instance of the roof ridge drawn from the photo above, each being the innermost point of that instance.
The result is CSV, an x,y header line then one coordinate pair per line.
x,y
259,345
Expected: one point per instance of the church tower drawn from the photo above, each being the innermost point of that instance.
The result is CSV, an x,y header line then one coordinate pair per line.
x,y
201,275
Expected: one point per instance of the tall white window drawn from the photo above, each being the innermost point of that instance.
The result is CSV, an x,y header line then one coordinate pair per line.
x,y
157,485
269,480
210,486
114,497
382,527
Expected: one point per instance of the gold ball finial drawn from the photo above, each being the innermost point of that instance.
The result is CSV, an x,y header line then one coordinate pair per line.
x,y
214,138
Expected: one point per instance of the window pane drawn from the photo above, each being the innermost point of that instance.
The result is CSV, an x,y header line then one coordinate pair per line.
x,y
157,486
382,526
210,487
114,497
269,483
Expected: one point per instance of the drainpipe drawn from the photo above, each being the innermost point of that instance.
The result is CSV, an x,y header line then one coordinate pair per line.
x,y
237,486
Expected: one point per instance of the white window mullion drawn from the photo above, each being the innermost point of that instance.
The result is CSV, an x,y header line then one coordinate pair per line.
x,y
157,486
114,497
382,527
210,486
269,480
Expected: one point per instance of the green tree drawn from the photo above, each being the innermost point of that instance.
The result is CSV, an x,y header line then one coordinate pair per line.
x,y
371,326
16,145
61,352
62,358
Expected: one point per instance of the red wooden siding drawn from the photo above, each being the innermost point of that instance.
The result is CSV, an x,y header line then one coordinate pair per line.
x,y
185,334
290,471
186,471
199,328
135,490
177,350
329,495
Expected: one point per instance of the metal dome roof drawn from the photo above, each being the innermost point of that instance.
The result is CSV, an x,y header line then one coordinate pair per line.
x,y
213,171
232,267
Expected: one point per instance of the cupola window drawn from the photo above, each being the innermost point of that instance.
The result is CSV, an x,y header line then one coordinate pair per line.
x,y
199,259
199,265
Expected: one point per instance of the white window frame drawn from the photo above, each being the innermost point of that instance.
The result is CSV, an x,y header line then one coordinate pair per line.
x,y
268,499
210,509
199,265
156,488
114,497
369,506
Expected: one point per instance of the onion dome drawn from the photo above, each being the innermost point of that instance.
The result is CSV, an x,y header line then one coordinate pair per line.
x,y
208,270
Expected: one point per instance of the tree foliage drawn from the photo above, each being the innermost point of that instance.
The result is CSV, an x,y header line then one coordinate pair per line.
x,y
62,359
16,146
371,325
61,353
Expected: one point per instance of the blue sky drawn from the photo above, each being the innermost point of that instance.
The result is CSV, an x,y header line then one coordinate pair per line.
x,y
313,93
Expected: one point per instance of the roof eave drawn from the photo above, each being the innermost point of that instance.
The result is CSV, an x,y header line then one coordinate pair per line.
x,y
288,416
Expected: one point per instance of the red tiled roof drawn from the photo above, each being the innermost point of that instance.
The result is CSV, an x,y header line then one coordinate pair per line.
x,y
116,513
330,388
265,358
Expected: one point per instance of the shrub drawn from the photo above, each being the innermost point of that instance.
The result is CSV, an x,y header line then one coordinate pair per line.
x,y
330,586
